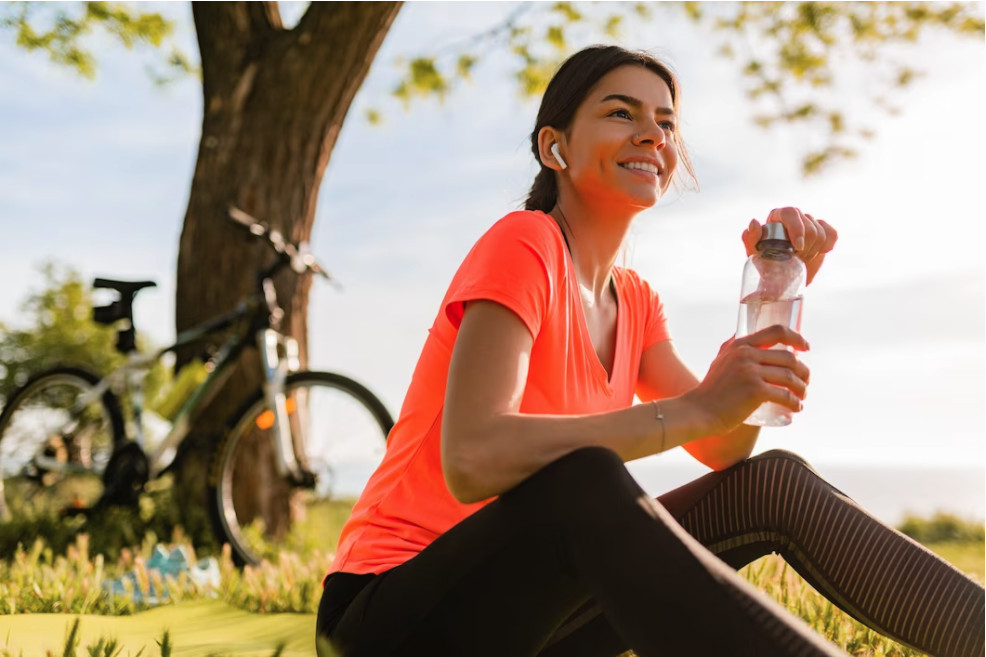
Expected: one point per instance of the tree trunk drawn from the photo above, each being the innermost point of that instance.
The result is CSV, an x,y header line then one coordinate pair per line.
x,y
274,103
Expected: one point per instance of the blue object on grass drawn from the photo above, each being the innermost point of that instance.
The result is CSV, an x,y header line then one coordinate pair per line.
x,y
203,576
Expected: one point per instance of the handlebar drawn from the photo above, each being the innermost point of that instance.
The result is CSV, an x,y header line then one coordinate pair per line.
x,y
299,257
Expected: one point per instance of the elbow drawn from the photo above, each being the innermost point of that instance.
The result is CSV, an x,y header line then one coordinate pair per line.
x,y
724,462
461,472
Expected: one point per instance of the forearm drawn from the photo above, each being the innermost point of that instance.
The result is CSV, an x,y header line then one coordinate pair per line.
x,y
510,447
721,452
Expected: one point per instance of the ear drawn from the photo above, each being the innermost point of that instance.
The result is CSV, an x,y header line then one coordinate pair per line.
x,y
548,137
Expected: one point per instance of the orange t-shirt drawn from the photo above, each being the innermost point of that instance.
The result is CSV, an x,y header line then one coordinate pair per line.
x,y
522,263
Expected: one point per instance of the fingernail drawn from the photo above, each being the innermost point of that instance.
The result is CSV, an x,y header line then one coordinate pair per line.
x,y
799,243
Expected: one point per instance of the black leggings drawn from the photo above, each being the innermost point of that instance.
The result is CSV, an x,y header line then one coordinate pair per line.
x,y
578,560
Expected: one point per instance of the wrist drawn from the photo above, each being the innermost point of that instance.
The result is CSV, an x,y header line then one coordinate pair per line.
x,y
684,420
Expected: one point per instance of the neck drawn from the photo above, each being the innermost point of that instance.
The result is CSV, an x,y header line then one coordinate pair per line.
x,y
595,242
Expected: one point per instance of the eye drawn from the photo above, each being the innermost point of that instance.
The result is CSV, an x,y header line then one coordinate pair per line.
x,y
624,113
667,126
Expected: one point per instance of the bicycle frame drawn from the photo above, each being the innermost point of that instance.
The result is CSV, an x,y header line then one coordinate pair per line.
x,y
260,316
269,342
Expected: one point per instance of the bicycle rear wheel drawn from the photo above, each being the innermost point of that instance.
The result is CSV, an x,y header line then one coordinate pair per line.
x,y
339,429
55,442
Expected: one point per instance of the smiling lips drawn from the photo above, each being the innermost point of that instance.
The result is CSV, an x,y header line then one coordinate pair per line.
x,y
642,166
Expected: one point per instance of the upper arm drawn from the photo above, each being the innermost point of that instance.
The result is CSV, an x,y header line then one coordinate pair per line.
x,y
487,377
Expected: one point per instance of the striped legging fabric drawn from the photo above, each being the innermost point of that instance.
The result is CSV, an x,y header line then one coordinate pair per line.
x,y
775,502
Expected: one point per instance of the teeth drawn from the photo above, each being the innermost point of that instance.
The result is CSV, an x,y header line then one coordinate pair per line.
x,y
644,166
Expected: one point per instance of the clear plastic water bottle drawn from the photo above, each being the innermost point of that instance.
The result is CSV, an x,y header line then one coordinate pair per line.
x,y
773,284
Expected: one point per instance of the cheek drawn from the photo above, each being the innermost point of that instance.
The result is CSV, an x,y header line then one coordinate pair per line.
x,y
671,157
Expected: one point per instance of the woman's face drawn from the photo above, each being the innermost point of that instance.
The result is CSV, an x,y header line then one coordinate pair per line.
x,y
621,148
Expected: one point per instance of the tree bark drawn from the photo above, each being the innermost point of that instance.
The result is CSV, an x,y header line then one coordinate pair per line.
x,y
274,103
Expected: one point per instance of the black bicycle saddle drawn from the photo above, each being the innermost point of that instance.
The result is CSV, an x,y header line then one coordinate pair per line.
x,y
123,287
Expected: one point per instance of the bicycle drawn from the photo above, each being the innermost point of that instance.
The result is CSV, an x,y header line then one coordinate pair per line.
x,y
64,442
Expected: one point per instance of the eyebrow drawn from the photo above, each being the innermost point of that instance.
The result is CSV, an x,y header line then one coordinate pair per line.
x,y
634,102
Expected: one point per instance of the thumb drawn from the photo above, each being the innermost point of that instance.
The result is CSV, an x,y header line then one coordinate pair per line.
x,y
751,236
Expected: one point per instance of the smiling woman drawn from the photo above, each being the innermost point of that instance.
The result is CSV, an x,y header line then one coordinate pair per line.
x,y
503,520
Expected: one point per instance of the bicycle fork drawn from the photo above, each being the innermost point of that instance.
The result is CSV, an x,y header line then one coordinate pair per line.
x,y
276,369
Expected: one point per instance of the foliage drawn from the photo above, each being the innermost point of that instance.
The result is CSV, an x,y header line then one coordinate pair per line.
x,y
111,532
57,329
38,579
35,581
61,30
788,54
942,528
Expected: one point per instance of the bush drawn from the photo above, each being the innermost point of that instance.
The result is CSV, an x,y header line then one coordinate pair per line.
x,y
942,528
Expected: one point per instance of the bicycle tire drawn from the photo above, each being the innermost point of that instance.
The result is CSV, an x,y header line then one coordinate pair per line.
x,y
31,434
258,513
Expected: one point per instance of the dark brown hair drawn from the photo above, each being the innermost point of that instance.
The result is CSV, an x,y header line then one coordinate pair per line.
x,y
570,85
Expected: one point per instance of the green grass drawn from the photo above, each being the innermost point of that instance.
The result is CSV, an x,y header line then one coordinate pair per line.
x,y
44,591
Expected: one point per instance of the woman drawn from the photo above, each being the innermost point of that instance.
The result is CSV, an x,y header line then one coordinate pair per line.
x,y
503,521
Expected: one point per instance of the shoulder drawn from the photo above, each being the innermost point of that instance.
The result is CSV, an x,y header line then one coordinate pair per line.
x,y
631,282
521,235
529,226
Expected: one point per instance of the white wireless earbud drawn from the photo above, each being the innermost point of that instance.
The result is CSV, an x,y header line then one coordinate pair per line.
x,y
561,160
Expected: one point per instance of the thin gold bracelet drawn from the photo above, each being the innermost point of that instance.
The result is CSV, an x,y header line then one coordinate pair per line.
x,y
664,427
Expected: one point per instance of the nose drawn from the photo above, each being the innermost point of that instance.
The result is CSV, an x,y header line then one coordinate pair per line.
x,y
650,132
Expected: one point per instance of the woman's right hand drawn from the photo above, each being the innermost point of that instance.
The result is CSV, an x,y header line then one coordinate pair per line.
x,y
747,373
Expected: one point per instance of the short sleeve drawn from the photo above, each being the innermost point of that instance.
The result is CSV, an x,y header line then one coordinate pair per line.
x,y
656,326
514,264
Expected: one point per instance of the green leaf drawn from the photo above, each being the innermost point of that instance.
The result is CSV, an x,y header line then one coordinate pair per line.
x,y
61,29
425,77
613,25
465,65
556,37
568,11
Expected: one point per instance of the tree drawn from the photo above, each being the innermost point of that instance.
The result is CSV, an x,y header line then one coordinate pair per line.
x,y
275,100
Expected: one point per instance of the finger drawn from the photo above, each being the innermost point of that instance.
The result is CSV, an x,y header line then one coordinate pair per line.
x,y
783,359
783,396
814,237
831,236
773,335
794,224
785,378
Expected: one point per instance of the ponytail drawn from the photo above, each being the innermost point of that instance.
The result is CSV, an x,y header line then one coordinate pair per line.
x,y
544,191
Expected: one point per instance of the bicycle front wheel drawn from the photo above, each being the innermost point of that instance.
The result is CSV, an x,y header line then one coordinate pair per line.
x,y
55,441
339,429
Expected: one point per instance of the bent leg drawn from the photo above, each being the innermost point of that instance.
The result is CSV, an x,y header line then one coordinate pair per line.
x,y
776,502
503,580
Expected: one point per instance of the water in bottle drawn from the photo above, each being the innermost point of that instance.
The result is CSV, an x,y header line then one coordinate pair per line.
x,y
773,282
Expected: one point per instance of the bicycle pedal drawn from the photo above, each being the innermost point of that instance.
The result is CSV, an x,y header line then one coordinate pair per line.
x,y
306,479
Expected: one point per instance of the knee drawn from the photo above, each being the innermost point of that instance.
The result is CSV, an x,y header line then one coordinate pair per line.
x,y
586,467
588,474
786,465
780,456
591,459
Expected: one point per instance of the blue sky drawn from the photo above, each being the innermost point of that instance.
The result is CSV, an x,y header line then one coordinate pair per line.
x,y
96,175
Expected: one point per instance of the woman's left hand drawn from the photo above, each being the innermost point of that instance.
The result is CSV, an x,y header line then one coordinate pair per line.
x,y
812,238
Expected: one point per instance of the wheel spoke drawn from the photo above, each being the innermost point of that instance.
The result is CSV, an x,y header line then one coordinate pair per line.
x,y
51,444
339,430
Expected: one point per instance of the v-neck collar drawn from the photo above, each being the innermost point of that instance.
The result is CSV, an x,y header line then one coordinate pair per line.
x,y
606,379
